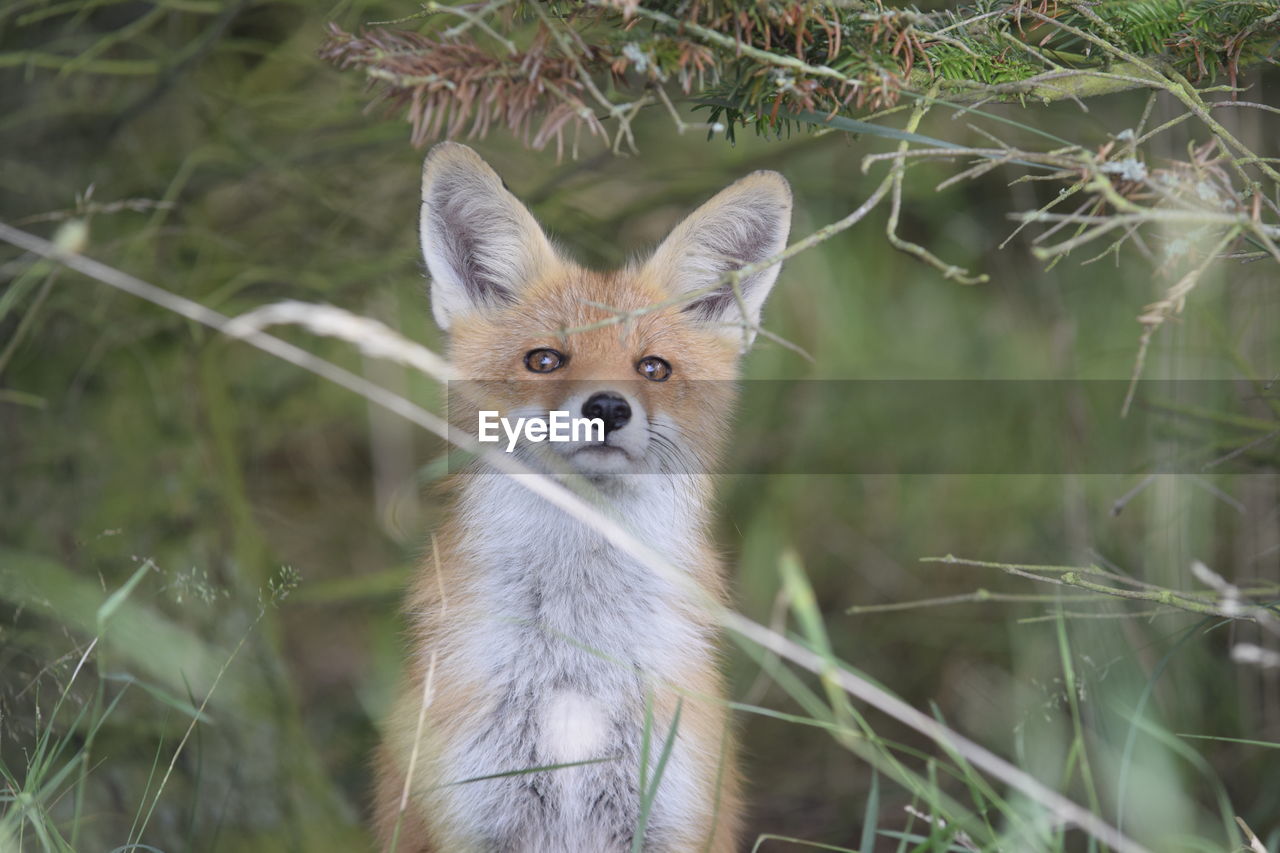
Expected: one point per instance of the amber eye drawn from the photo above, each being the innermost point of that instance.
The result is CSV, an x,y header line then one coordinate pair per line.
x,y
652,367
544,360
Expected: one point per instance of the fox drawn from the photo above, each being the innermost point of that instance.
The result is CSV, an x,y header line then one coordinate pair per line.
x,y
559,695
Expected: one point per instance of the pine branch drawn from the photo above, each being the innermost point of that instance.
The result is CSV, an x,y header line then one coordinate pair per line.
x,y
456,88
768,66
769,60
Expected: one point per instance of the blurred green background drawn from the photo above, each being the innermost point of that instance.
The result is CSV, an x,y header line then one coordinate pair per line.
x,y
211,153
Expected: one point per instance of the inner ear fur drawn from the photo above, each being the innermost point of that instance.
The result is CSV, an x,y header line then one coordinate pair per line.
x,y
480,244
743,224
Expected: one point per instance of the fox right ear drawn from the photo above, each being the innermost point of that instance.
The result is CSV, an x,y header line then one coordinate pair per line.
x,y
744,224
481,245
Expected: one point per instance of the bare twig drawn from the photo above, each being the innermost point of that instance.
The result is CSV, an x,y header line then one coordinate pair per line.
x,y
1080,579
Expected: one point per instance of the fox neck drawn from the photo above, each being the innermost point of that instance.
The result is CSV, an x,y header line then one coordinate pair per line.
x,y
543,569
667,512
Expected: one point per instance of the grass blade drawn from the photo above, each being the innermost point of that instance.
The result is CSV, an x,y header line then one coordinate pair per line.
x,y
871,816
117,598
647,796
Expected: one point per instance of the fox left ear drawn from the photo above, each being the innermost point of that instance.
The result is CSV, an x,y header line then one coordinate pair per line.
x,y
481,245
745,223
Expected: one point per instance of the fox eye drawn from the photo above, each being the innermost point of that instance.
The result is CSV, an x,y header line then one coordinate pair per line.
x,y
544,360
654,368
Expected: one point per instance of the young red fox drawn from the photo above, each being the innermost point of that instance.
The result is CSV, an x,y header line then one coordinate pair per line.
x,y
537,643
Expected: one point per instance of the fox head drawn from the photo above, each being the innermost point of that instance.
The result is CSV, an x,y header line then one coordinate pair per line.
x,y
650,350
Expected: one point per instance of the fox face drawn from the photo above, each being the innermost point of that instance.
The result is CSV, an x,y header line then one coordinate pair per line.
x,y
650,350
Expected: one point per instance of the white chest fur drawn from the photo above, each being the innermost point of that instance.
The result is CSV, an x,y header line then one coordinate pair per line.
x,y
568,635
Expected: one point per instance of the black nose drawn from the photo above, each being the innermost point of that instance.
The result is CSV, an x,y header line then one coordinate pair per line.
x,y
608,407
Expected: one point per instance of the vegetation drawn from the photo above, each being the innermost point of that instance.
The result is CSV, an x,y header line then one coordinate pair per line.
x,y
203,541
774,65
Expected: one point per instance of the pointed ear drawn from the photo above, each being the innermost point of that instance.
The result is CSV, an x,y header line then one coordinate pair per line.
x,y
743,224
481,245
